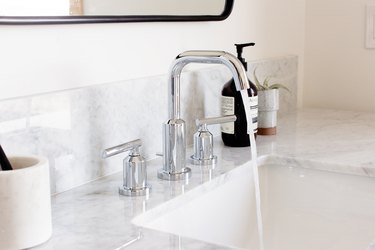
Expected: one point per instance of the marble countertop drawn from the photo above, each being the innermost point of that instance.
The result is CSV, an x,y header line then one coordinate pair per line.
x,y
94,216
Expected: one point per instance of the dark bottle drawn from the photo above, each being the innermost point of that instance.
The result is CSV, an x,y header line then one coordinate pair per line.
x,y
235,134
4,161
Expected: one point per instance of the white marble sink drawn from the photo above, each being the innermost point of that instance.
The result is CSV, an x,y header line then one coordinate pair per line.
x,y
301,209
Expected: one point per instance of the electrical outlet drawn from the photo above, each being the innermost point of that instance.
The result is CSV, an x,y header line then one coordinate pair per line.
x,y
370,26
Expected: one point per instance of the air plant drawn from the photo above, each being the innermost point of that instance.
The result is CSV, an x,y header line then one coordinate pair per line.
x,y
267,83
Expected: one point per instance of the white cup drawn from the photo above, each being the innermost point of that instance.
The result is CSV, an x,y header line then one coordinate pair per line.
x,y
25,203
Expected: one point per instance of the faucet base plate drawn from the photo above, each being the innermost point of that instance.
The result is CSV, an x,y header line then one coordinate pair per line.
x,y
134,191
203,162
184,175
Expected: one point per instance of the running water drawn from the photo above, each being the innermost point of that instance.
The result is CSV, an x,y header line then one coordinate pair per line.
x,y
254,164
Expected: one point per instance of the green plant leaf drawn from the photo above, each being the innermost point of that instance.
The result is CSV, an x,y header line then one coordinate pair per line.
x,y
266,82
256,80
278,86
266,85
259,85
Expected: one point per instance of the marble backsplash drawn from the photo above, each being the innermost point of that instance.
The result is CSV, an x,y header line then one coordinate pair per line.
x,y
72,127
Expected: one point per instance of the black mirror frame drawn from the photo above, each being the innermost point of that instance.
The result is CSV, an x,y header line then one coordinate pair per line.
x,y
22,20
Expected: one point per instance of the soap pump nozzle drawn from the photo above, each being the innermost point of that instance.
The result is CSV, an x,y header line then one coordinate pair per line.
x,y
240,50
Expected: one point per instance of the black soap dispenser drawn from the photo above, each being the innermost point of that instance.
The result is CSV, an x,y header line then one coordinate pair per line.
x,y
235,134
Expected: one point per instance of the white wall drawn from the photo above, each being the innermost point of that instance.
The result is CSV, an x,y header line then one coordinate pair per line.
x,y
339,71
37,59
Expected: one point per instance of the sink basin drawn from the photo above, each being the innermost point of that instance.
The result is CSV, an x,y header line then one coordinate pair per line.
x,y
301,209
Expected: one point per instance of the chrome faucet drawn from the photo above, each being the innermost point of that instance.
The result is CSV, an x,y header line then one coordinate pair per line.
x,y
135,173
174,142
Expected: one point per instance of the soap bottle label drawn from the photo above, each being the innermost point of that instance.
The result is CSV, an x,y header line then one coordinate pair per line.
x,y
253,102
227,108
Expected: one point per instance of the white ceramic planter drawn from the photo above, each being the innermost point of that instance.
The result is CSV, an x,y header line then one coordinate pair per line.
x,y
25,203
268,105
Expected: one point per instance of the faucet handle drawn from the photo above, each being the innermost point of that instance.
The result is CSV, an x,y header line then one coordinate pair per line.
x,y
203,140
134,168
132,145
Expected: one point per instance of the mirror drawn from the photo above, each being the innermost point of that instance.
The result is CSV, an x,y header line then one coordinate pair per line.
x,y
99,11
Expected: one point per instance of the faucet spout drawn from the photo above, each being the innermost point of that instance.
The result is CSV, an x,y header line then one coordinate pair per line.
x,y
207,57
174,142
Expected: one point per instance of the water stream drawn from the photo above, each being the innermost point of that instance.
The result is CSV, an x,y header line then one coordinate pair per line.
x,y
254,164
